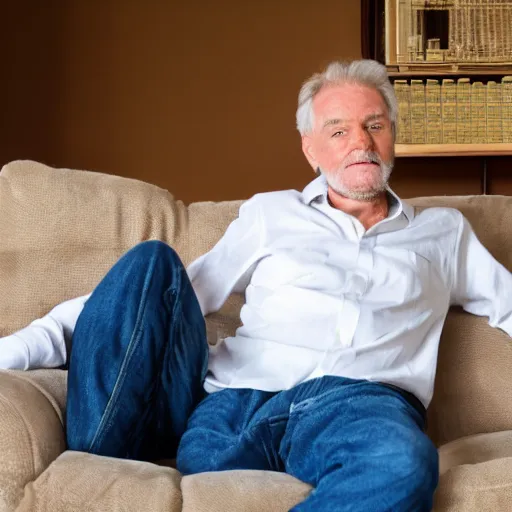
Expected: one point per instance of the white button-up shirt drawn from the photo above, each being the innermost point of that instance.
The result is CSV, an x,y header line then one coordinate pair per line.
x,y
324,296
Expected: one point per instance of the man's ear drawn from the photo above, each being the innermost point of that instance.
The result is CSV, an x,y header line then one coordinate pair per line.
x,y
309,153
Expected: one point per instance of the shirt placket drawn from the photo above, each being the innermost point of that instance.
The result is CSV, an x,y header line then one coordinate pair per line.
x,y
356,285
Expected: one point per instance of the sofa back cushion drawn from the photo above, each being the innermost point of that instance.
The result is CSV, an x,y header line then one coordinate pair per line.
x,y
61,230
473,388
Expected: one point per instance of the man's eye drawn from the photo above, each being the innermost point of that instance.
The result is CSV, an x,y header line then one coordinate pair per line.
x,y
375,127
339,133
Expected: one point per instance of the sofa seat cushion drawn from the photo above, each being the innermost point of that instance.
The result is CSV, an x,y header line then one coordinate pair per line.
x,y
475,449
77,481
31,434
247,490
476,474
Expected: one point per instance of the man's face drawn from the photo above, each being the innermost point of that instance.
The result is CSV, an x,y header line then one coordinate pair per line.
x,y
352,140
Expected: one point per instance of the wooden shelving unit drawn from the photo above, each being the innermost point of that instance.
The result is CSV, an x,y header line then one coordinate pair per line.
x,y
469,44
447,40
443,73
426,150
447,70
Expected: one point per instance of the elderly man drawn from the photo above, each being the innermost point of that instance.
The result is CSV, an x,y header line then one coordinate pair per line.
x,y
328,378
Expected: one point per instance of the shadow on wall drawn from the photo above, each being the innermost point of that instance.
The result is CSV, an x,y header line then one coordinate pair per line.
x,y
33,61
197,97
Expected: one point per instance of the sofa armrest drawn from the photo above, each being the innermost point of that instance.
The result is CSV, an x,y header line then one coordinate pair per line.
x,y
31,431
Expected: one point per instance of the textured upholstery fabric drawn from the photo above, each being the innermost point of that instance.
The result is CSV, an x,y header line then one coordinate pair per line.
x,y
473,389
61,230
31,435
476,474
76,482
475,449
250,491
476,488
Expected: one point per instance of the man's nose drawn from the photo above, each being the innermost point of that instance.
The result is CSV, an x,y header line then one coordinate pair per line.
x,y
363,139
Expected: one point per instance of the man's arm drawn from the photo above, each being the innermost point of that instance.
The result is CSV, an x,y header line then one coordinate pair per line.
x,y
43,343
229,265
481,285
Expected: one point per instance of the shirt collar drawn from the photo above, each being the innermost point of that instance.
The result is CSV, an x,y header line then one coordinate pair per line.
x,y
315,189
318,188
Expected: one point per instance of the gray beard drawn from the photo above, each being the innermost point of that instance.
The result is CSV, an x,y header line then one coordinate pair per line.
x,y
360,195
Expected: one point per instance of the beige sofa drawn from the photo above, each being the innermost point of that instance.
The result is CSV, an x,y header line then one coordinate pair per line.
x,y
60,231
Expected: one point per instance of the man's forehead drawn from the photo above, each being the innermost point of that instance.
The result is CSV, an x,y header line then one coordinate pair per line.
x,y
348,101
345,98
346,91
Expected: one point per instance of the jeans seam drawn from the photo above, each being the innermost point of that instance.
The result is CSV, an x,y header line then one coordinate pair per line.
x,y
112,402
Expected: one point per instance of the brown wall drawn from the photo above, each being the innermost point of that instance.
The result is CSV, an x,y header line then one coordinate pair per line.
x,y
197,97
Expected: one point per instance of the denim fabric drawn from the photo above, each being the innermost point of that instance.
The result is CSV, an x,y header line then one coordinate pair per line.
x,y
360,444
138,362
138,359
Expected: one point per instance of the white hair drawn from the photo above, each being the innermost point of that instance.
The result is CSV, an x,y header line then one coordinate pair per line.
x,y
362,72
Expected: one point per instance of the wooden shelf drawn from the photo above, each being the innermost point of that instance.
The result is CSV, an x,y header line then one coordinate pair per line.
x,y
448,69
418,150
447,74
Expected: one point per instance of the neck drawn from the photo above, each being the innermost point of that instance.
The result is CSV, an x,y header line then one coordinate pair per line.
x,y
368,213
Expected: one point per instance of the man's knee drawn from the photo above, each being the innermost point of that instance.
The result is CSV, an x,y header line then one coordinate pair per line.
x,y
153,249
150,255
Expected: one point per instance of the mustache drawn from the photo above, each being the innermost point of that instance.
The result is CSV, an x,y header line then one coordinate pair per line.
x,y
359,156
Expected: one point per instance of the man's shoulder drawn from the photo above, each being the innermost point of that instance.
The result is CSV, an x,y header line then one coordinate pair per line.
x,y
445,216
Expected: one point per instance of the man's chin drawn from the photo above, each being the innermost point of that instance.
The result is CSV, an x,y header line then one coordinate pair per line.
x,y
357,193
363,195
348,185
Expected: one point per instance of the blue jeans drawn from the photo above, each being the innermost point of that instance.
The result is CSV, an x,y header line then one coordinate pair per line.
x,y
138,359
360,444
135,379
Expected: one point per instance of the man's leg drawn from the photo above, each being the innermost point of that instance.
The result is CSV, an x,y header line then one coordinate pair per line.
x,y
242,428
361,445
138,358
233,429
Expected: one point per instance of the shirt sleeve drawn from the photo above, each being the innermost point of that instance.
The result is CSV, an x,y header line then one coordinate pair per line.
x,y
481,285
229,265
43,343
